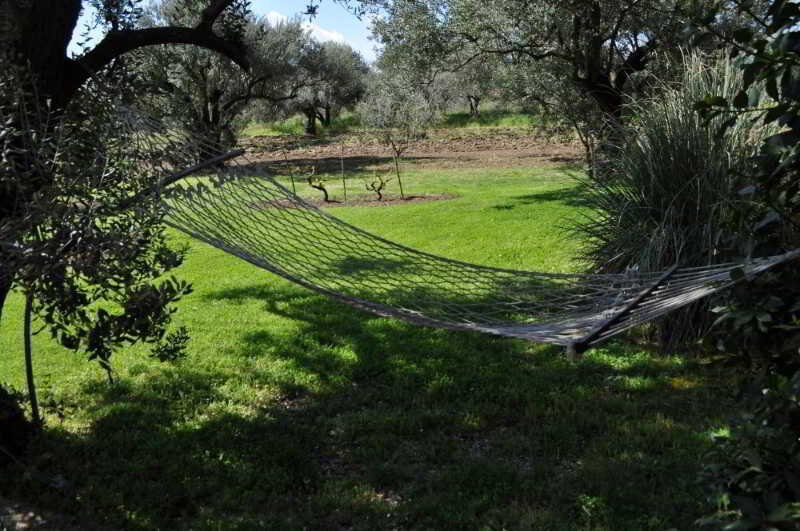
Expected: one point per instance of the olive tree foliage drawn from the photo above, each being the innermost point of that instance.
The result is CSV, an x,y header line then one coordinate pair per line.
x,y
581,58
754,470
79,241
475,81
208,93
398,111
70,236
457,72
338,80
602,43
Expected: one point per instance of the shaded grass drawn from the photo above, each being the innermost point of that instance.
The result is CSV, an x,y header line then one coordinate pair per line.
x,y
490,118
294,411
347,122
295,126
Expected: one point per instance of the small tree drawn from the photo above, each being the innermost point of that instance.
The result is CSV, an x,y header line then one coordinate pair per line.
x,y
475,80
318,183
398,112
377,184
754,469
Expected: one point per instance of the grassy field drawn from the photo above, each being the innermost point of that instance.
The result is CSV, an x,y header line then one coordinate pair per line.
x,y
295,125
296,412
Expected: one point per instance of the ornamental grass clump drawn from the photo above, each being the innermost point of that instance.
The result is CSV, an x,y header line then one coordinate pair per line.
x,y
671,191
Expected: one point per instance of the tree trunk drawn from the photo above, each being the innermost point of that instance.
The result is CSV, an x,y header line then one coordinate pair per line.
x,y
397,171
326,117
212,129
474,106
311,122
38,46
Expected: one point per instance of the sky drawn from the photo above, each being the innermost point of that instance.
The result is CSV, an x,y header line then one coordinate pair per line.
x,y
332,23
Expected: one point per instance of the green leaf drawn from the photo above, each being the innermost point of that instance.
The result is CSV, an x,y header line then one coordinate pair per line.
x,y
785,513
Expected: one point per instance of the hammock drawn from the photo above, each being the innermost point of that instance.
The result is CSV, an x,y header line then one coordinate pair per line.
x,y
236,208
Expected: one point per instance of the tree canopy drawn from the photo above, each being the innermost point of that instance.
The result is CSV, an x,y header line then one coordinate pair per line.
x,y
337,76
600,47
208,92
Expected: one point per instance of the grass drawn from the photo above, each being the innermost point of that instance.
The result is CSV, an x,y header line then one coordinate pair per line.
x,y
490,118
294,411
295,125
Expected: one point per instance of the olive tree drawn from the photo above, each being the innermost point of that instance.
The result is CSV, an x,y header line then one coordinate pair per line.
x,y
338,75
577,57
43,91
207,92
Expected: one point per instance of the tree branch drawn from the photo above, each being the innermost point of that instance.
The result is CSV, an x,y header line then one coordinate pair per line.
x,y
117,43
636,62
212,12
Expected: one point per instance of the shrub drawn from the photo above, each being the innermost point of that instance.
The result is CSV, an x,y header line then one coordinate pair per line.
x,y
670,191
754,472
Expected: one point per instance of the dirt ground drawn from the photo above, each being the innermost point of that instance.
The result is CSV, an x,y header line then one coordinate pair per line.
x,y
441,149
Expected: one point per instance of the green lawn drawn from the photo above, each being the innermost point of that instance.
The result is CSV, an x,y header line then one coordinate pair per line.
x,y
296,412
490,118
295,125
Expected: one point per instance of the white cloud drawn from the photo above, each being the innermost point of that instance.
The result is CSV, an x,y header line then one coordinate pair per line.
x,y
321,34
276,18
317,32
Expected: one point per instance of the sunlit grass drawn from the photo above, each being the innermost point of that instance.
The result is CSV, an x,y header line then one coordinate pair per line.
x,y
295,125
294,411
490,118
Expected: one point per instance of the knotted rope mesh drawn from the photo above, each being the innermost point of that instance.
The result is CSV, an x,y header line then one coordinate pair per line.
x,y
239,209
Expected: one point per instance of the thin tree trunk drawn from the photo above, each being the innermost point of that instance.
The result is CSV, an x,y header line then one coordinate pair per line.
x,y
341,163
397,171
37,419
474,106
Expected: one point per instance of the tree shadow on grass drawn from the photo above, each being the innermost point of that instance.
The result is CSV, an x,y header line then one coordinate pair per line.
x,y
573,196
353,164
348,421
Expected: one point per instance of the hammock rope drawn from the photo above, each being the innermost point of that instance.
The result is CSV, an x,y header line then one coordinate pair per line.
x,y
232,204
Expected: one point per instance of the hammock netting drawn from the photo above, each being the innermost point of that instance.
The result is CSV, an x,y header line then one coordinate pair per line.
x,y
228,202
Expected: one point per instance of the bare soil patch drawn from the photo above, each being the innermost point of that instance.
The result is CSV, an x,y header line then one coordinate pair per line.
x,y
441,149
363,200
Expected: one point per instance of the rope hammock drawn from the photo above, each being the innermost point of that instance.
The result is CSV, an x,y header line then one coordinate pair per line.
x,y
231,205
